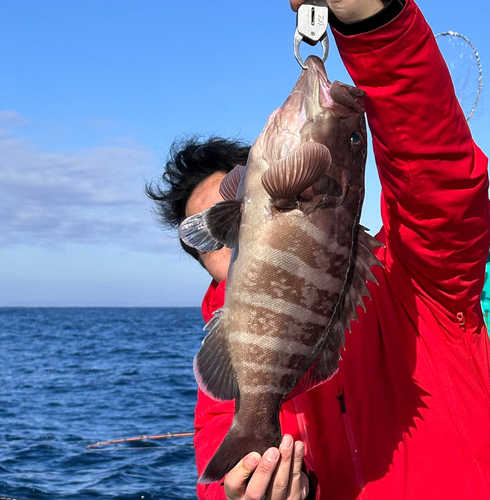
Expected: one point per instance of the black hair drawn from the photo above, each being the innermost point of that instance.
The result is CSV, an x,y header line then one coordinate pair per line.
x,y
189,162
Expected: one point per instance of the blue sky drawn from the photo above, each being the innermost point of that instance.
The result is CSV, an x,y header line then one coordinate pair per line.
x,y
92,94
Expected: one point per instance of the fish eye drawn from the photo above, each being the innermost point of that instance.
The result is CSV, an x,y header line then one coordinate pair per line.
x,y
355,139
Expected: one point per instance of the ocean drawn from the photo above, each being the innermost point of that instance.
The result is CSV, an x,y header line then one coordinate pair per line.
x,y
74,377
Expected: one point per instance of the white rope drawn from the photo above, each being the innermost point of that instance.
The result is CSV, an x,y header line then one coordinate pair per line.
x,y
475,52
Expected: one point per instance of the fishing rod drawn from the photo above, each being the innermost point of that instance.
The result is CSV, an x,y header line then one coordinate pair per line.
x,y
139,438
11,498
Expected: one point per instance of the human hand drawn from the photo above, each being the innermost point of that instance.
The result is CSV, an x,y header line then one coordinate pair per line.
x,y
276,475
348,11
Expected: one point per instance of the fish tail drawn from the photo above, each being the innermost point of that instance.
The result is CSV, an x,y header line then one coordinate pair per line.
x,y
240,441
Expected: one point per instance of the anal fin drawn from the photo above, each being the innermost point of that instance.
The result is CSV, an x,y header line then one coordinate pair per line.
x,y
213,368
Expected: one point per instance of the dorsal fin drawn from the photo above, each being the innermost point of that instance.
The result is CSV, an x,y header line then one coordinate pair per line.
x,y
326,363
212,365
366,244
356,287
288,177
228,188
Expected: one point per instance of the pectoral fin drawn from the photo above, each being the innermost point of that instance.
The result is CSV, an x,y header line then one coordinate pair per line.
x,y
288,177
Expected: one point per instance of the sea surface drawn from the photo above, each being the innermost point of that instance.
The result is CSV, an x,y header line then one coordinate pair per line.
x,y
73,377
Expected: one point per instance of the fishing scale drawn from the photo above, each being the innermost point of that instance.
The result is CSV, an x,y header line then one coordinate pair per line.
x,y
311,27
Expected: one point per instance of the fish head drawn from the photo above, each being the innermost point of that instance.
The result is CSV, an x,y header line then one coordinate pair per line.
x,y
324,121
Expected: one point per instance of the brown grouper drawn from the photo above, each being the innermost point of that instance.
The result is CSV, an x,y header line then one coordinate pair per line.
x,y
299,266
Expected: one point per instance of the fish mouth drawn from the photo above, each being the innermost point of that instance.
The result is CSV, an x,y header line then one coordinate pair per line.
x,y
313,101
318,95
316,87
311,94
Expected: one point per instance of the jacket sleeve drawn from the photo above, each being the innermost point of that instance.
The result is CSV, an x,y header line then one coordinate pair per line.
x,y
434,201
212,421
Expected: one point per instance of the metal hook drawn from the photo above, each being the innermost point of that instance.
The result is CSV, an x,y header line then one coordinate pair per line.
x,y
298,39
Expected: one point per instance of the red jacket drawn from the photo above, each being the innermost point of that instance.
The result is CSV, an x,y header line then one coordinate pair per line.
x,y
408,414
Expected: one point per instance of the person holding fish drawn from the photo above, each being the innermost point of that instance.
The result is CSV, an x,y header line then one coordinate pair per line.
x,y
404,410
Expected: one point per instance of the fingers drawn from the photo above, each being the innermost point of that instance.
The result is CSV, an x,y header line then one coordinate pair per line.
x,y
288,481
236,480
280,482
275,476
259,483
295,4
299,484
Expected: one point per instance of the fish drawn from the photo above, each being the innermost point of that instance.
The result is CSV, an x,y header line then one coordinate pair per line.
x,y
299,265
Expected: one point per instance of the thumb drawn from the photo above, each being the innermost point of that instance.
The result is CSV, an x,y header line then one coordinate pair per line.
x,y
237,479
295,4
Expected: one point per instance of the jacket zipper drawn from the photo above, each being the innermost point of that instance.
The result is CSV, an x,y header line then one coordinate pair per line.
x,y
351,440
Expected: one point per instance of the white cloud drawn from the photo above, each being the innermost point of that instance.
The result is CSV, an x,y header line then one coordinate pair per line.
x,y
93,196
12,117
